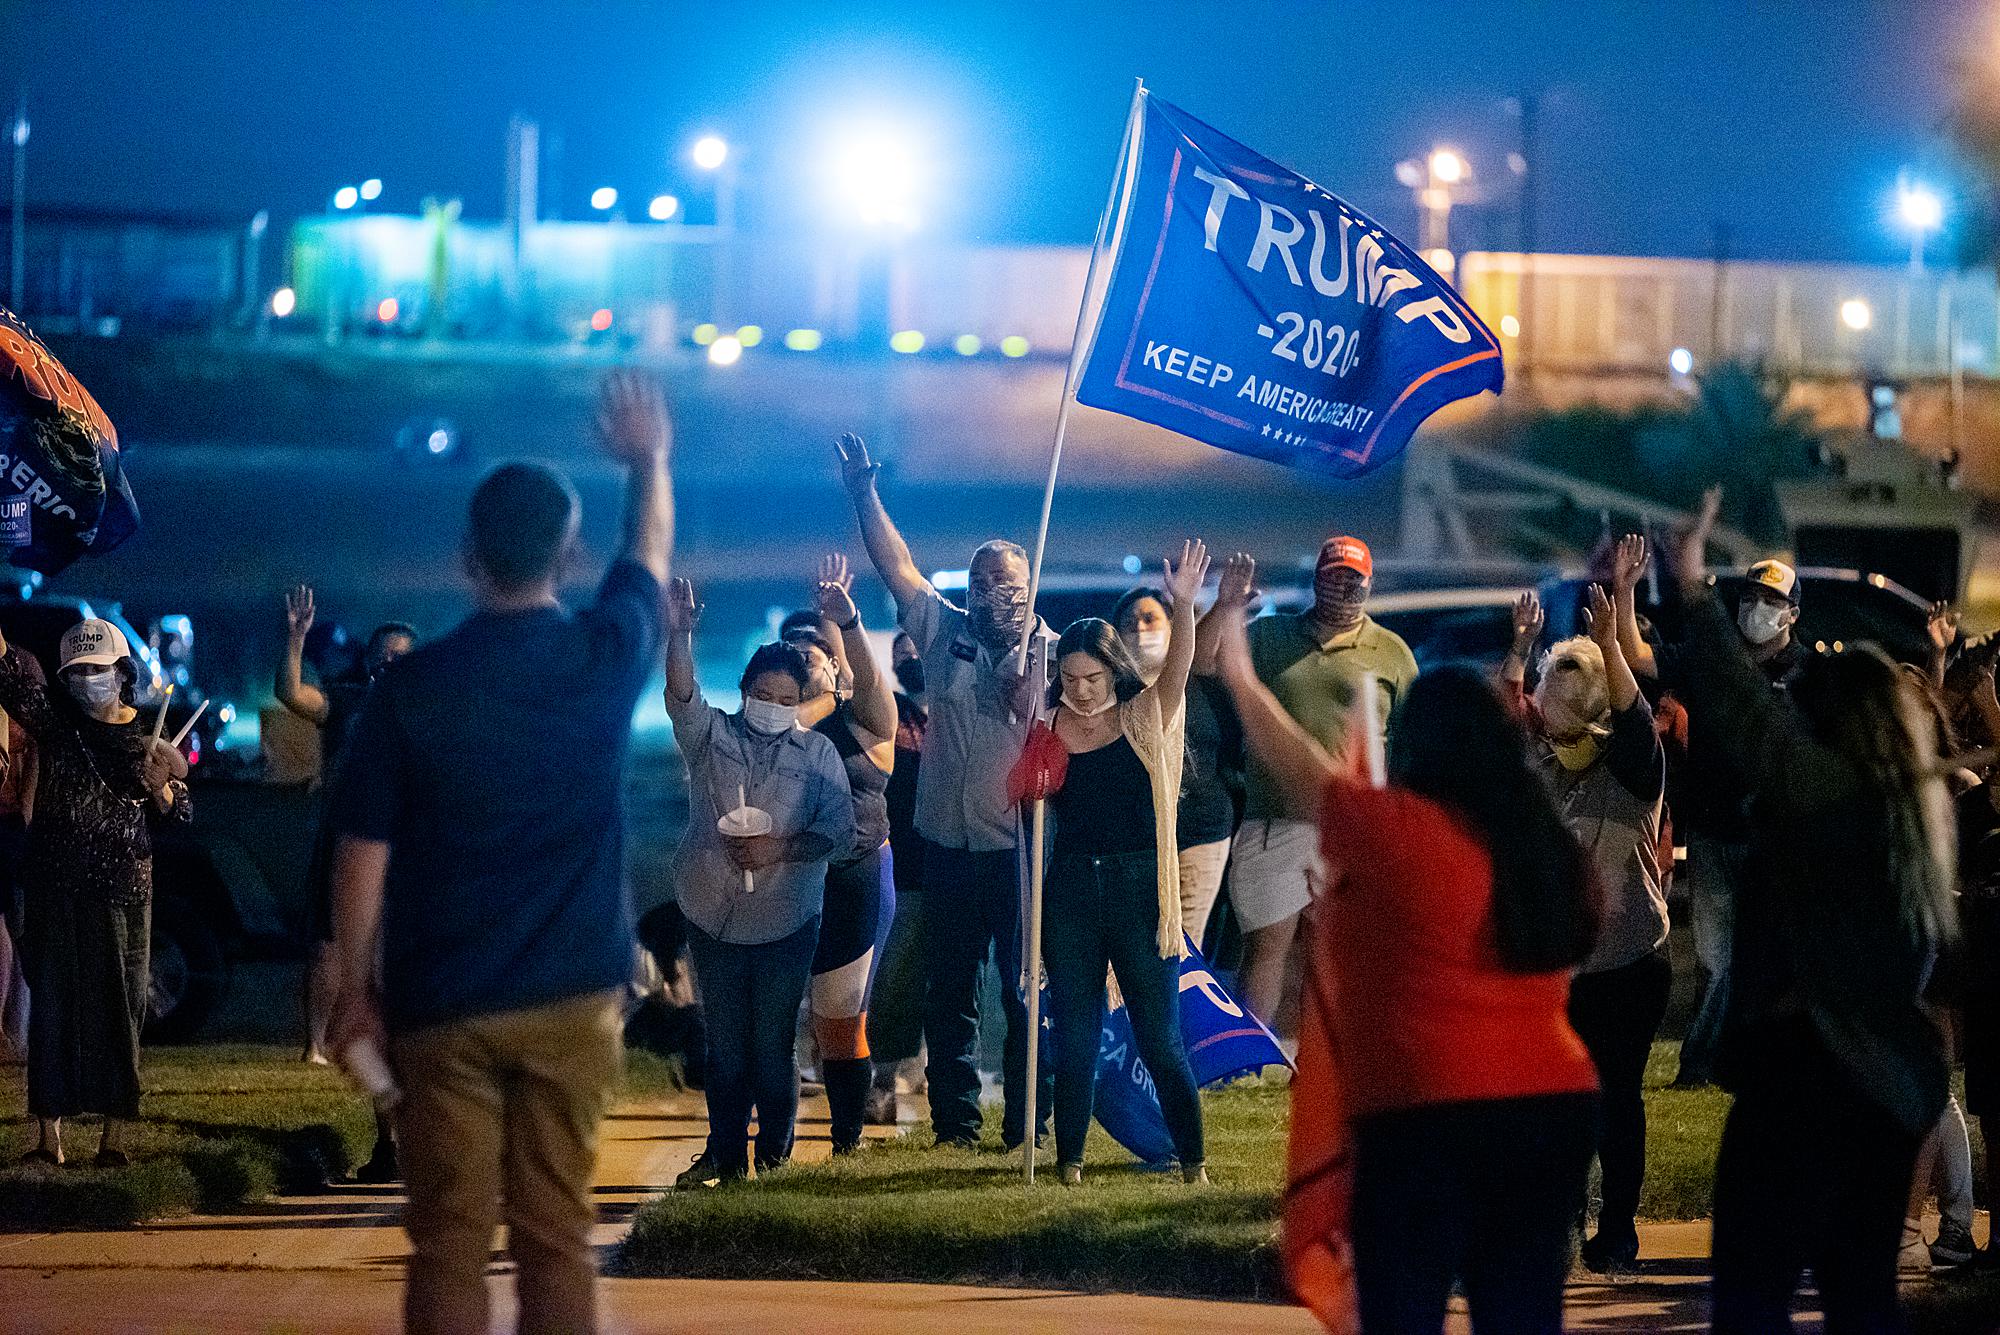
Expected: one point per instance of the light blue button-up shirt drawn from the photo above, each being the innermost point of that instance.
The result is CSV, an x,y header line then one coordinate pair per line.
x,y
795,776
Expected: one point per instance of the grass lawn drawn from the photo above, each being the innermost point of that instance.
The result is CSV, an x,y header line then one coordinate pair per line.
x,y
219,1126
904,1211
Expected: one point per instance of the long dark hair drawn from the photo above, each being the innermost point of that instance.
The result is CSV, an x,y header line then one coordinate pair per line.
x,y
1454,742
1867,708
1098,638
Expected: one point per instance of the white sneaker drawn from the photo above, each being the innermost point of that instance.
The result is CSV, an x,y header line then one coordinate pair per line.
x,y
1914,1258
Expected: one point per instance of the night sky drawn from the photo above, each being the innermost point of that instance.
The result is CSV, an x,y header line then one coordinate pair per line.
x,y
1787,119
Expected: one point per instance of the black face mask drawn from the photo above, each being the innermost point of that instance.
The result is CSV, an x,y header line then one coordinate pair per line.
x,y
910,672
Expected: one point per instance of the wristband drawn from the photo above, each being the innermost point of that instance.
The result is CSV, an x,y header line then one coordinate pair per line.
x,y
850,624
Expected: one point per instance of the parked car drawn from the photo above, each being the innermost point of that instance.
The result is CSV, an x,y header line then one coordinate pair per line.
x,y
1467,622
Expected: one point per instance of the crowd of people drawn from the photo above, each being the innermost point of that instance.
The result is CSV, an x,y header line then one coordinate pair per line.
x,y
1449,890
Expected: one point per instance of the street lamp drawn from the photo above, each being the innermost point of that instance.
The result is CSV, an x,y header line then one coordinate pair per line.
x,y
663,208
346,198
603,199
371,189
1920,210
1436,181
711,153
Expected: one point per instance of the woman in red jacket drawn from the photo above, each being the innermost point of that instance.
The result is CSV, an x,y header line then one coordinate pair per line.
x,y
1433,1019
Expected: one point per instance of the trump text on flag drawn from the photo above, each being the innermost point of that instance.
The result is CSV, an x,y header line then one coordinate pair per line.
x,y
1251,309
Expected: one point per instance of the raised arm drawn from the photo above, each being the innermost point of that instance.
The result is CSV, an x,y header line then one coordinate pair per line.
x,y
1234,591
885,545
308,702
682,614
1529,619
632,416
1302,767
1601,624
1761,740
1628,568
1942,627
1183,586
874,700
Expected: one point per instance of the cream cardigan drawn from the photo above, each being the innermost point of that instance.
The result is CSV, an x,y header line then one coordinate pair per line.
x,y
1161,745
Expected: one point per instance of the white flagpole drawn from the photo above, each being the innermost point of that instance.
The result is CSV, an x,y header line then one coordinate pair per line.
x,y
1121,181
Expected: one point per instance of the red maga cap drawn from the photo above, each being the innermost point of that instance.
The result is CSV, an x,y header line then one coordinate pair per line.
x,y
1350,552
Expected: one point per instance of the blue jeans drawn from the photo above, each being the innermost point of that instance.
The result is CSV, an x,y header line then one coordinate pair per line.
x,y
750,999
1714,869
1106,910
972,905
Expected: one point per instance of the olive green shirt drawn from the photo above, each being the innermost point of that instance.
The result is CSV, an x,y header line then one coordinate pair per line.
x,y
1316,680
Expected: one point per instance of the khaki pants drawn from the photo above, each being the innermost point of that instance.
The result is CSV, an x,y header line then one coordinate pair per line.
x,y
499,1119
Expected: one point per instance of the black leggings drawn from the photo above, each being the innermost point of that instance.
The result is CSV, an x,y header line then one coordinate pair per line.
x,y
1814,1173
1479,1192
1616,1013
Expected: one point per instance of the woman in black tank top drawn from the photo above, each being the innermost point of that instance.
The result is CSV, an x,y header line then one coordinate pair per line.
x,y
853,704
1108,902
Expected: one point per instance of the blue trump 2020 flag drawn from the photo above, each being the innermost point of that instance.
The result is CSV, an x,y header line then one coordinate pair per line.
x,y
1222,1038
1250,309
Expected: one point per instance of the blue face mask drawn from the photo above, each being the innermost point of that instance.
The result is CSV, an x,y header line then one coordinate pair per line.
x,y
94,692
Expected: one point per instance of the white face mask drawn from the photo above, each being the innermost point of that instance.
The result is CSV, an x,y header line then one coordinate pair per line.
x,y
1150,649
94,692
1069,703
769,719
1761,623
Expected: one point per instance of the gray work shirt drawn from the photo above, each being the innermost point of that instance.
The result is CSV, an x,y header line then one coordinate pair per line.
x,y
797,777
973,739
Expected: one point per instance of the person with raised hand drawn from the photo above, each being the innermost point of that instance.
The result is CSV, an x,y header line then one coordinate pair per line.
x,y
981,705
1838,1064
1605,766
481,857
768,807
1443,1107
1212,779
1316,663
332,707
1114,883
1711,804
860,721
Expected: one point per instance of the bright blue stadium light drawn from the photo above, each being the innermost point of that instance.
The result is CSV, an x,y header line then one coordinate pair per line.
x,y
874,176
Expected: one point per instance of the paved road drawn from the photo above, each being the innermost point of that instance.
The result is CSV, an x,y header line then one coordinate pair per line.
x,y
333,1262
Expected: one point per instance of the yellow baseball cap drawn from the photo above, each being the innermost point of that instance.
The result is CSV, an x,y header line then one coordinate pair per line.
x,y
1775,574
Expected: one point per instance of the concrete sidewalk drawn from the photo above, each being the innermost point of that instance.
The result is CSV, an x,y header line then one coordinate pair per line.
x,y
333,1262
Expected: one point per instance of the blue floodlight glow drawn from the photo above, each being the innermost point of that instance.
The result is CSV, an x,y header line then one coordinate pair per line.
x,y
873,175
